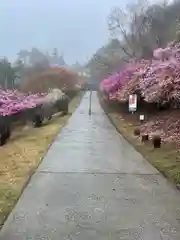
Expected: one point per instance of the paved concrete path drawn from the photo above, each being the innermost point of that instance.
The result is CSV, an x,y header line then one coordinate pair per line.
x,y
92,185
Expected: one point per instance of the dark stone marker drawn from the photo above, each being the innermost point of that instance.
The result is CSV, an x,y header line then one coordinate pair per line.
x,y
156,141
145,138
137,132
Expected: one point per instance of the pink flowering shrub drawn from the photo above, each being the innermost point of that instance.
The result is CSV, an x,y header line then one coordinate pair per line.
x,y
13,101
156,80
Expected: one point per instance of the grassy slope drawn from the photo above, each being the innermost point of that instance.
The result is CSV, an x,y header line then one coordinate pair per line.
x,y
22,154
166,159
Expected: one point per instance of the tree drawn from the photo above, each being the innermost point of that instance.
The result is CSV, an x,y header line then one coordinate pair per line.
x,y
23,56
106,60
129,26
33,57
61,60
142,27
7,74
36,57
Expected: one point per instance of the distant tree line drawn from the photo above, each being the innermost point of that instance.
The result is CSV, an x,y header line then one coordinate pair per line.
x,y
27,63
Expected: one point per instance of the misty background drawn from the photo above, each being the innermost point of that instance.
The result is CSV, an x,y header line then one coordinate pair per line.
x,y
76,27
36,35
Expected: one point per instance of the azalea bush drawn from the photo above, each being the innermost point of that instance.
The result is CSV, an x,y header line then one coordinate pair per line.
x,y
156,80
165,125
29,97
13,101
157,83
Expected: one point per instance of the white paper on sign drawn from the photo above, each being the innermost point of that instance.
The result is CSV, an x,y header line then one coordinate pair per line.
x,y
132,102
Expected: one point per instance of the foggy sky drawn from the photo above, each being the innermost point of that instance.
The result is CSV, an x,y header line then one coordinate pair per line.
x,y
75,27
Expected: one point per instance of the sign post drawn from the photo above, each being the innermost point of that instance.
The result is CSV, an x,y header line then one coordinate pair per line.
x,y
132,103
90,97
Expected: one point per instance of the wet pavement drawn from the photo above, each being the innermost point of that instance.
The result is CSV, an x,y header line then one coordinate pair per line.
x,y
92,185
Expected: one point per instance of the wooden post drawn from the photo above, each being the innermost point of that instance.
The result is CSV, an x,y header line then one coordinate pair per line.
x,y
90,97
